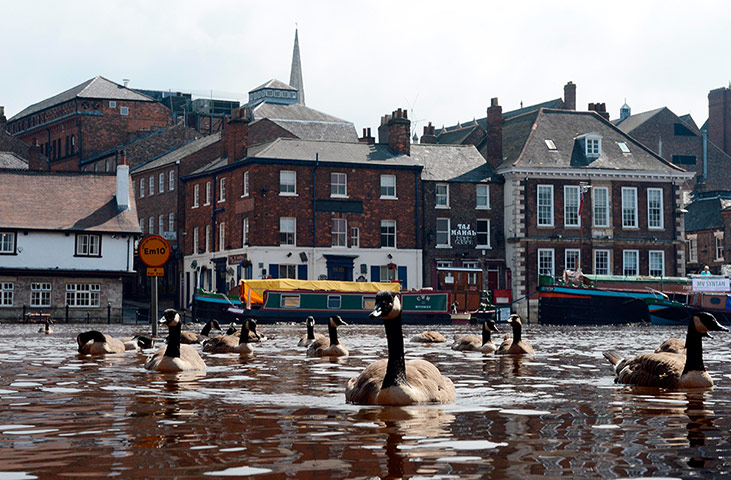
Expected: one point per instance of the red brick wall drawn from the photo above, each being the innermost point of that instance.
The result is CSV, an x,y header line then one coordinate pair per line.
x,y
265,130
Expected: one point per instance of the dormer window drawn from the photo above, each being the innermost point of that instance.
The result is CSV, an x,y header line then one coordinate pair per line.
x,y
592,144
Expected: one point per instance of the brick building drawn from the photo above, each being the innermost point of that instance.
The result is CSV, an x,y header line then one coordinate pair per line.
x,y
86,120
295,208
706,228
562,167
16,155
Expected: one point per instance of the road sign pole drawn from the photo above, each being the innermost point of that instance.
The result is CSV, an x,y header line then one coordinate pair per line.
x,y
153,307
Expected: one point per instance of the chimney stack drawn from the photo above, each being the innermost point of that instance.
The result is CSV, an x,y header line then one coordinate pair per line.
x,y
399,133
599,108
494,150
719,118
3,120
36,160
569,96
429,136
123,183
235,136
367,137
383,129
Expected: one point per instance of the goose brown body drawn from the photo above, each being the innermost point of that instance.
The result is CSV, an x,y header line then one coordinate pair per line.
x,y
233,343
396,381
672,345
96,343
329,346
477,343
430,336
46,329
192,338
670,370
174,357
515,345
310,336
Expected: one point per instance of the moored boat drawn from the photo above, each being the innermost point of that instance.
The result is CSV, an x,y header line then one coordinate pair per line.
x,y
568,305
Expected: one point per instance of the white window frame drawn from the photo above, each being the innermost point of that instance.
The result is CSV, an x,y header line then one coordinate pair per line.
x,y
161,182
652,256
7,292
88,245
7,242
151,182
355,237
388,187
593,146
441,195
40,294
196,195
196,234
574,253
388,224
83,295
171,180
221,236
692,248
208,238
658,210
718,239
208,193
547,191
482,197
445,236
287,270
544,254
124,110
602,252
288,228
338,185
222,190
161,224
151,226
287,183
245,232
599,209
627,264
171,222
246,185
571,203
388,275
142,226
629,207
444,263
339,232
479,245
142,187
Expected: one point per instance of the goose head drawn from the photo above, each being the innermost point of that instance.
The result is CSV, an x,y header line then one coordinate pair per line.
x,y
170,317
515,319
143,341
704,322
250,326
231,328
336,321
388,305
489,324
310,321
85,337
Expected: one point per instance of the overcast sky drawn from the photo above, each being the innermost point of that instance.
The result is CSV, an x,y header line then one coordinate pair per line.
x,y
442,60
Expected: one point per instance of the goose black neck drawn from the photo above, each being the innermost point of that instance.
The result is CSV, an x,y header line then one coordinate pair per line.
x,y
693,350
310,332
206,329
332,331
173,349
244,338
396,366
486,336
516,332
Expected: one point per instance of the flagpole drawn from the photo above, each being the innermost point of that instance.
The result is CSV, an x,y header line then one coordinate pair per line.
x,y
583,188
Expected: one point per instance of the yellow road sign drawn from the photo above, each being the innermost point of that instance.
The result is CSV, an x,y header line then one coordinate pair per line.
x,y
154,251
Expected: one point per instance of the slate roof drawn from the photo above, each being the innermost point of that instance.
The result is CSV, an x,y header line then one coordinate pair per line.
x,y
341,152
524,144
274,83
10,144
306,123
11,161
179,153
97,87
457,163
704,214
633,121
556,103
217,163
65,202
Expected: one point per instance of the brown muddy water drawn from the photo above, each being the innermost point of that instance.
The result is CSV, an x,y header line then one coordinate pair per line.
x,y
277,414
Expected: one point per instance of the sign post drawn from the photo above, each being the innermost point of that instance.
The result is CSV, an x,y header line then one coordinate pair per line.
x,y
154,251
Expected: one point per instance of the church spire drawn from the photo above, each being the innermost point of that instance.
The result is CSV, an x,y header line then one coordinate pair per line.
x,y
295,77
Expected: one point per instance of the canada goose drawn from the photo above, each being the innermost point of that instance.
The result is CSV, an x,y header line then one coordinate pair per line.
x,y
47,327
329,347
515,345
138,342
672,345
670,370
174,357
98,343
233,343
478,343
310,336
253,336
394,381
192,337
430,336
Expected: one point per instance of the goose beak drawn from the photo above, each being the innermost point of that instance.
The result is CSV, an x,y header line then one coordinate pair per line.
x,y
377,312
161,321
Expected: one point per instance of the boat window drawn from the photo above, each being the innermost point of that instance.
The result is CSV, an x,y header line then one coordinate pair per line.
x,y
333,301
715,300
290,301
369,302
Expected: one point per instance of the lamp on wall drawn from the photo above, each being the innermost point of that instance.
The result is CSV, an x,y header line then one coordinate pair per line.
x,y
389,256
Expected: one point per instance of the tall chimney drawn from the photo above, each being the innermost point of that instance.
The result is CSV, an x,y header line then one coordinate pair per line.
x,y
719,118
399,133
3,120
429,136
383,129
123,183
36,161
601,109
569,96
494,150
235,136
367,137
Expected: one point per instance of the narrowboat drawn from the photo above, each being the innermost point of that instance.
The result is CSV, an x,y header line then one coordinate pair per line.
x,y
280,300
569,305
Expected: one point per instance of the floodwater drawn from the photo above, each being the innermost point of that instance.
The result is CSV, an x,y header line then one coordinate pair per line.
x,y
277,414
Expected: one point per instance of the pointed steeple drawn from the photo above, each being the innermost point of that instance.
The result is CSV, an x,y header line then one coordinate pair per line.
x,y
295,77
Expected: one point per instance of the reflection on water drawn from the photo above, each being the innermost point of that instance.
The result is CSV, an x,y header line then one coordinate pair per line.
x,y
279,414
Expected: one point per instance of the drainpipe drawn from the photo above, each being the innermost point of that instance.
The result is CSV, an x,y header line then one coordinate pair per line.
x,y
705,155
314,211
